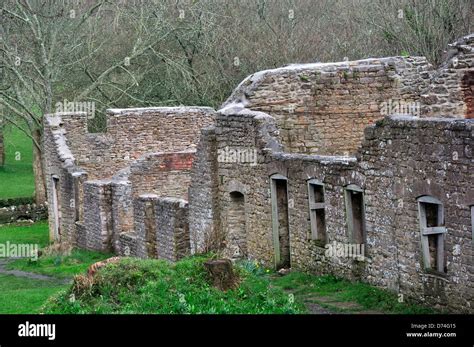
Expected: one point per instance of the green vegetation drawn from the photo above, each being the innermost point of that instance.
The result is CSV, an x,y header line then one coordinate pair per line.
x,y
339,295
16,176
36,233
60,266
156,286
25,295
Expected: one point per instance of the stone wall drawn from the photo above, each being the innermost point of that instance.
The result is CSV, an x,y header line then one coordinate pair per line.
x,y
161,227
130,134
98,221
164,174
401,159
323,108
15,213
202,193
64,200
92,179
451,92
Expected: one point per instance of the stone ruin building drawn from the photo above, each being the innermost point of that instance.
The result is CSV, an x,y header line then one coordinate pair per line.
x,y
299,160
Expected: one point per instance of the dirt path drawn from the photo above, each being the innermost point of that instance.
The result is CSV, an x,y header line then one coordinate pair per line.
x,y
31,275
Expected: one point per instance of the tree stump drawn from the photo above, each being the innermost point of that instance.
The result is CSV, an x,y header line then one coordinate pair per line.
x,y
221,273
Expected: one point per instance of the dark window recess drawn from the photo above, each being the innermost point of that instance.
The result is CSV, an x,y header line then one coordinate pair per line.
x,y
357,217
283,223
355,214
280,221
432,233
236,224
317,211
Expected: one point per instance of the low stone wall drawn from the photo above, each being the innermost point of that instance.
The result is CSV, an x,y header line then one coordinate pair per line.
x,y
127,244
12,214
161,227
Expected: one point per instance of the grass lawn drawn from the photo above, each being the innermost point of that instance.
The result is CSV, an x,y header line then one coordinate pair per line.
x,y
25,295
25,233
16,176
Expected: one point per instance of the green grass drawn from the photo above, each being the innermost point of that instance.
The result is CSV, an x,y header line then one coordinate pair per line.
x,y
16,176
156,286
24,295
60,266
36,233
328,291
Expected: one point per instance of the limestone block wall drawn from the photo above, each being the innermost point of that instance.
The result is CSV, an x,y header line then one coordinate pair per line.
x,y
98,215
323,108
161,227
131,133
92,179
63,179
14,213
122,210
172,229
164,174
401,159
451,91
203,211
127,244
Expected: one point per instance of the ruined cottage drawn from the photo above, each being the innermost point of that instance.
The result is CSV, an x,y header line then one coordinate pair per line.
x,y
362,169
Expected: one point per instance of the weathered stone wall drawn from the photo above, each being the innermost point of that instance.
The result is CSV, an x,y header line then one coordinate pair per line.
x,y
451,91
161,227
401,159
203,193
163,174
127,244
172,229
122,210
15,213
131,133
136,155
98,221
323,108
60,164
